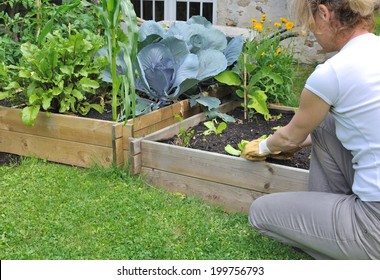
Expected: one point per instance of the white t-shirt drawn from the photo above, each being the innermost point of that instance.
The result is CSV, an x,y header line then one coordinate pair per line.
x,y
350,83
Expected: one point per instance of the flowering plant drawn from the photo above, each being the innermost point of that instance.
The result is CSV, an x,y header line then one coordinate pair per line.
x,y
266,53
263,71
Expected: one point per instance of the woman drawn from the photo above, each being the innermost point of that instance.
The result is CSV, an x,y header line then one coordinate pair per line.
x,y
339,111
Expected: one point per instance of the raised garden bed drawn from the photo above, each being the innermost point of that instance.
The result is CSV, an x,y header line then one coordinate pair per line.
x,y
221,179
82,141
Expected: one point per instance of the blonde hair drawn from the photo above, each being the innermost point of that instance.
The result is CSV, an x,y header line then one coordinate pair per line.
x,y
349,13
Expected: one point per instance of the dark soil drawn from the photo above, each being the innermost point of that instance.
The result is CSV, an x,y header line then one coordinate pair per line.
x,y
254,128
8,159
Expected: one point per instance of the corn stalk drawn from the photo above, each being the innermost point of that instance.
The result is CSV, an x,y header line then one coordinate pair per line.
x,y
112,14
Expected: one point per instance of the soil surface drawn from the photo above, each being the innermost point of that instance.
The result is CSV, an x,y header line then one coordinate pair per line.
x,y
235,132
8,159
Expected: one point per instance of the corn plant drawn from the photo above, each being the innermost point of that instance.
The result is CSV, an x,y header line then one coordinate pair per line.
x,y
120,39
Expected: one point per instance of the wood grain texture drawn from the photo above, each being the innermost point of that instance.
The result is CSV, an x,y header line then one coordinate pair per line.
x,y
232,198
63,127
56,150
258,176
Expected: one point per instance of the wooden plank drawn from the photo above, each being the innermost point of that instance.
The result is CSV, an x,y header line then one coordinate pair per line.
x,y
118,153
232,198
173,129
135,146
229,106
134,156
156,120
134,164
63,127
127,133
56,150
161,119
155,127
164,113
258,176
117,144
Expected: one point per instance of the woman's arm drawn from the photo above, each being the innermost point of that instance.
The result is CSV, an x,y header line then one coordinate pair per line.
x,y
310,114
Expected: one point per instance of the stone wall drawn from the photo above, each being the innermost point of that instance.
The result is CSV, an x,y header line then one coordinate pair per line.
x,y
238,13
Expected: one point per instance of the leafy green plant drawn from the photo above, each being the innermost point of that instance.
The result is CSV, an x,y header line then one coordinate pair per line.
x,y
21,21
120,23
236,152
16,28
30,20
184,134
263,71
212,128
60,75
43,30
172,61
210,106
6,80
80,18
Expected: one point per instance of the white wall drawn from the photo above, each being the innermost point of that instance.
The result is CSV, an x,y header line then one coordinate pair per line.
x,y
238,13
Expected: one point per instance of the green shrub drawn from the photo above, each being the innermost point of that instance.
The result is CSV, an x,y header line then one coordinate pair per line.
x,y
264,71
60,75
270,60
377,25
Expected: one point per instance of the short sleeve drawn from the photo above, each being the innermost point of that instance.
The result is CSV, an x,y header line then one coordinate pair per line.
x,y
324,83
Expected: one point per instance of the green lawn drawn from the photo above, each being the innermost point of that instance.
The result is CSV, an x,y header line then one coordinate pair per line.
x,y
53,211
301,73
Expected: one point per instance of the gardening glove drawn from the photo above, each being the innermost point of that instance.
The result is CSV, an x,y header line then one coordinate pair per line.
x,y
288,155
256,150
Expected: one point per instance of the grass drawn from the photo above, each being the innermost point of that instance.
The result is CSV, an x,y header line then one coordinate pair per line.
x,y
301,73
377,24
57,212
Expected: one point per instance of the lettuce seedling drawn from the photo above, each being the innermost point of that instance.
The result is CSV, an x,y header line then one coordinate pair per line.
x,y
214,129
237,152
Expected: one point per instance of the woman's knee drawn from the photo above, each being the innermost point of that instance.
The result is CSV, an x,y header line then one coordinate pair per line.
x,y
257,212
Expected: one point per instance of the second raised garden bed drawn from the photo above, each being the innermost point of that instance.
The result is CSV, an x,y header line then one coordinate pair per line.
x,y
221,179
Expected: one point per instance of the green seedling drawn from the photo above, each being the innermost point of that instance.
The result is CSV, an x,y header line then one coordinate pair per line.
x,y
237,152
214,129
184,134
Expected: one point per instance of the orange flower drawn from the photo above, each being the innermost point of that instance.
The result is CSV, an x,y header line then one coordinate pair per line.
x,y
289,25
253,20
258,26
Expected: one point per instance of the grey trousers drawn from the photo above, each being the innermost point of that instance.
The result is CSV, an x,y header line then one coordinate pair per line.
x,y
328,221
